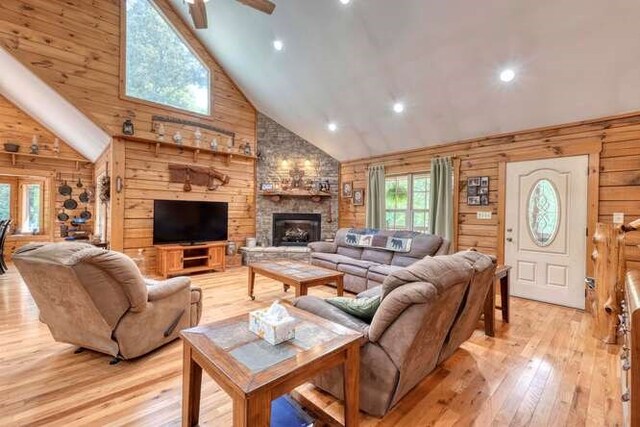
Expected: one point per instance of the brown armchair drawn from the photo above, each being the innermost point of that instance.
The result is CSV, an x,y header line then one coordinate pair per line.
x,y
97,299
428,309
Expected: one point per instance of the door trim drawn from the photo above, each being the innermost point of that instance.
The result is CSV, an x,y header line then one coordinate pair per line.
x,y
593,193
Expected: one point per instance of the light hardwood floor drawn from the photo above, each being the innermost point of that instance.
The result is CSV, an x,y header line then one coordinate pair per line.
x,y
542,369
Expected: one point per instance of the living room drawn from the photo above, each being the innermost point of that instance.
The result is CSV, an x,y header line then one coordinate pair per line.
x,y
254,212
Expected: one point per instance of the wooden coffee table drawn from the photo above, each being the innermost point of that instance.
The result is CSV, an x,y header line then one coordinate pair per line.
x,y
253,372
297,274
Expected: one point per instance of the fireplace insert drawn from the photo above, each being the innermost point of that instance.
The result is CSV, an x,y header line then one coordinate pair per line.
x,y
295,229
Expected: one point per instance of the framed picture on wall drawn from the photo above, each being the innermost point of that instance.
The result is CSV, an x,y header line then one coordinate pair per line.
x,y
347,190
358,197
473,200
478,191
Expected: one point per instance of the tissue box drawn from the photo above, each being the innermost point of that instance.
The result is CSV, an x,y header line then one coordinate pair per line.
x,y
273,333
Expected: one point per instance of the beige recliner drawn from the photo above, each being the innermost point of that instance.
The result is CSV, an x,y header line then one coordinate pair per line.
x,y
98,299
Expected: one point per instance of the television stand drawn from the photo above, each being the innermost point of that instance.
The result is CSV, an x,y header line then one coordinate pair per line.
x,y
180,260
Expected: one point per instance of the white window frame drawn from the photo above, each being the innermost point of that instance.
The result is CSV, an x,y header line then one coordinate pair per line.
x,y
410,211
24,184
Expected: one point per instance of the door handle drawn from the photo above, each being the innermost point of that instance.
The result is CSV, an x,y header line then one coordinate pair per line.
x,y
509,230
509,239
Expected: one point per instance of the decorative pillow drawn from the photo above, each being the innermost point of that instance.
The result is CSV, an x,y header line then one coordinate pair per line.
x,y
399,241
362,308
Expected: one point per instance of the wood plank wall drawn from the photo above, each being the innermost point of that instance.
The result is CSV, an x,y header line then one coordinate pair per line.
x,y
17,127
75,47
619,173
147,179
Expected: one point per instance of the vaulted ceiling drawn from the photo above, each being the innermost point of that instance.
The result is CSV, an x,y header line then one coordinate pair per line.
x,y
574,59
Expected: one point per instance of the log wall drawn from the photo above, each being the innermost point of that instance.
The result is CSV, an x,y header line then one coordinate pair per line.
x,y
615,171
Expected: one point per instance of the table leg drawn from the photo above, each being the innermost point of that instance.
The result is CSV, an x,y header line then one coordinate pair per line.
x,y
351,386
191,387
254,411
490,311
340,286
251,282
301,290
285,287
504,297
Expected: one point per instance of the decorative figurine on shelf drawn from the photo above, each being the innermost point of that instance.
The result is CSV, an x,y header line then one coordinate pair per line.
x,y
177,137
230,145
198,137
127,127
56,146
214,144
34,145
325,186
296,175
247,149
161,132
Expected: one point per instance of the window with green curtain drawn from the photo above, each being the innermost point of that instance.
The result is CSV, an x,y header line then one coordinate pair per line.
x,y
160,66
407,202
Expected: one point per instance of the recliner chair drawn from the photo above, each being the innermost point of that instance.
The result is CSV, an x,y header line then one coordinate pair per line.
x,y
98,299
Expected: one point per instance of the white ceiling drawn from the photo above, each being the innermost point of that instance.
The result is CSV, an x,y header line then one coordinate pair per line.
x,y
22,87
576,59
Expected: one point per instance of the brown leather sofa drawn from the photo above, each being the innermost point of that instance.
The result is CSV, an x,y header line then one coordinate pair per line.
x,y
366,268
97,299
428,309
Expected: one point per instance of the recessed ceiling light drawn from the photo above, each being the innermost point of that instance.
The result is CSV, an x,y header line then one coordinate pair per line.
x,y
507,75
398,107
345,1
278,45
332,126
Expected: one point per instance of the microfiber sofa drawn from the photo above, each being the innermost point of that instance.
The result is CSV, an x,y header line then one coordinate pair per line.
x,y
97,299
367,267
428,310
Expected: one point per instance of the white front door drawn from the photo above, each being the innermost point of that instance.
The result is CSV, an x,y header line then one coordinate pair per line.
x,y
545,229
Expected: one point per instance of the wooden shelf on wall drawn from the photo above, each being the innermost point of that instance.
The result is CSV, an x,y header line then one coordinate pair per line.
x,y
196,150
14,158
279,195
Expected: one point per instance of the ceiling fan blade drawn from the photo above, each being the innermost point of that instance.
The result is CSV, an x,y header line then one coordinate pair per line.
x,y
262,5
198,12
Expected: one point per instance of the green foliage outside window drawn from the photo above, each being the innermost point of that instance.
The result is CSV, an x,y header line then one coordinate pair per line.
x,y
5,201
160,67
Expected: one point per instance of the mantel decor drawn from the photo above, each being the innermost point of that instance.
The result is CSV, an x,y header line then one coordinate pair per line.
x,y
166,119
197,175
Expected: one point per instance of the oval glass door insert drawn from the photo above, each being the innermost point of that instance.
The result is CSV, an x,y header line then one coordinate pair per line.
x,y
543,212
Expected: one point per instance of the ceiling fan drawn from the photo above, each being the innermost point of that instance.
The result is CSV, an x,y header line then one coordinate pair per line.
x,y
198,10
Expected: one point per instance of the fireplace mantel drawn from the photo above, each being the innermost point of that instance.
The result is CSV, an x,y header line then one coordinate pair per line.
x,y
314,197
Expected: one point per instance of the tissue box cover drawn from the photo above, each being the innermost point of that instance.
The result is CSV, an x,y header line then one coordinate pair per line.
x,y
273,333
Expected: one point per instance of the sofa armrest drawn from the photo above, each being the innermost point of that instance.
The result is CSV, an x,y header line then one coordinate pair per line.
x,y
369,293
162,289
444,248
325,247
321,308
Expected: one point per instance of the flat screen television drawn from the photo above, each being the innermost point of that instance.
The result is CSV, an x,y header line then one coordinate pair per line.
x,y
189,222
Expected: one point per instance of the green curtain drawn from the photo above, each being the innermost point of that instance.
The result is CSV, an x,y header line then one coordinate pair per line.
x,y
441,202
375,215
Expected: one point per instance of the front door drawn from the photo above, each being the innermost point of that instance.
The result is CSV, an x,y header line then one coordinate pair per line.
x,y
545,229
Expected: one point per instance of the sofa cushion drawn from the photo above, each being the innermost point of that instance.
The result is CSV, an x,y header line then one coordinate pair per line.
x,y
321,308
350,252
377,255
422,246
380,272
332,258
354,270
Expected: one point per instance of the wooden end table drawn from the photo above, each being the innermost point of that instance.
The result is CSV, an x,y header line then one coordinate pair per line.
x,y
297,274
253,372
502,274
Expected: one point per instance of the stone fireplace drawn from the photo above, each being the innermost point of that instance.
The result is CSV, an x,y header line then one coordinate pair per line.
x,y
296,229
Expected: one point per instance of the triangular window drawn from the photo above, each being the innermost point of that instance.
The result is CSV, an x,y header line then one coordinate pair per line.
x,y
160,66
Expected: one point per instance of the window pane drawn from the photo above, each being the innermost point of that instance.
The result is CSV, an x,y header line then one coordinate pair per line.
x,y
544,213
5,201
419,200
397,192
420,183
419,219
401,220
160,67
31,211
